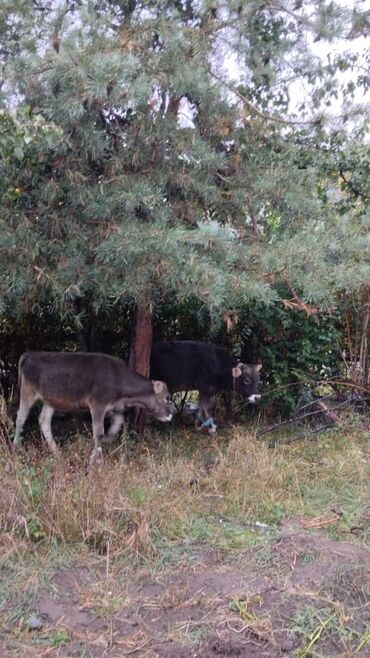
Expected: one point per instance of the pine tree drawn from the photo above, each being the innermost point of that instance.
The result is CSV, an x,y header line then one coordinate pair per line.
x,y
134,167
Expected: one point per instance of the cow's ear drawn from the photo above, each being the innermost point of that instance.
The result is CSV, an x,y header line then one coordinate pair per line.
x,y
158,386
258,367
237,372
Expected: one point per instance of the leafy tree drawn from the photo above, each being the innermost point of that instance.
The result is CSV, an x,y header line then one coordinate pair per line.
x,y
135,168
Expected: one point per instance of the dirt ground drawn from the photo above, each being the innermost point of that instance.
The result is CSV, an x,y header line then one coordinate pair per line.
x,y
299,594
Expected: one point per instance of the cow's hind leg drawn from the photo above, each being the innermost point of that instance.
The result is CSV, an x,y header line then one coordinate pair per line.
x,y
97,417
114,428
45,426
28,397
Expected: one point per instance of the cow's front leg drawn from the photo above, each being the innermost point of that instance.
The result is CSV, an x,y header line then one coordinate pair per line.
x,y
204,419
97,417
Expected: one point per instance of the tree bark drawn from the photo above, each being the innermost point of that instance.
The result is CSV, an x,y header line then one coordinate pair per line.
x,y
365,339
142,335
140,350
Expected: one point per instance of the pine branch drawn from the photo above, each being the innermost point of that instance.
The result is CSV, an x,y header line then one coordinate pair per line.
x,y
263,115
298,303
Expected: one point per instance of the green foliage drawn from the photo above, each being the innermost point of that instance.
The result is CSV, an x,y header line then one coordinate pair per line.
x,y
103,174
132,167
295,350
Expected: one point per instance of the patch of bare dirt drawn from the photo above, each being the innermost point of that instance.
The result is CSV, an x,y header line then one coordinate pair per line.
x,y
267,603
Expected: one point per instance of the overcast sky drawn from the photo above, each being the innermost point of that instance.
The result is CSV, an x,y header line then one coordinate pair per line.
x,y
299,90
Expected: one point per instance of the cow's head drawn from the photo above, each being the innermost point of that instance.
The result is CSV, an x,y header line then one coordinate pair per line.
x,y
163,408
246,379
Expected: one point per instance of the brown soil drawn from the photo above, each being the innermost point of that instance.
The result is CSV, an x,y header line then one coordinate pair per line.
x,y
248,606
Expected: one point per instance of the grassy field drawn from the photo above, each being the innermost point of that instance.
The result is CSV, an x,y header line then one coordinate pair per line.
x,y
183,545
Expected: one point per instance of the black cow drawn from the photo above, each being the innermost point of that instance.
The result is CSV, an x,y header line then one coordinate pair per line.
x,y
192,365
68,381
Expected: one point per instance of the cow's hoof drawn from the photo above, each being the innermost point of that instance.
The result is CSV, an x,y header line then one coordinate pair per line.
x,y
96,456
208,424
16,447
107,439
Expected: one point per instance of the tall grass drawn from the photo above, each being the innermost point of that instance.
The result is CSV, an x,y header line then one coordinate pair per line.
x,y
174,491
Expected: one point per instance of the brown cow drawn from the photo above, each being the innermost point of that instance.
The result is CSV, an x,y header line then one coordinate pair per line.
x,y
68,381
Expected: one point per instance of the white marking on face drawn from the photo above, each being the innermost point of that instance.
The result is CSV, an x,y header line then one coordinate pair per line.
x,y
254,398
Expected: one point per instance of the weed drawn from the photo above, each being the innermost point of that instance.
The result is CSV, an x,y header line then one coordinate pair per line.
x,y
364,640
243,609
139,496
196,634
307,558
266,556
271,512
304,622
310,624
314,625
232,536
59,637
35,531
109,604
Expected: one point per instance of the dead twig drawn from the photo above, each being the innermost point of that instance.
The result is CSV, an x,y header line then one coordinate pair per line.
x,y
319,382
320,521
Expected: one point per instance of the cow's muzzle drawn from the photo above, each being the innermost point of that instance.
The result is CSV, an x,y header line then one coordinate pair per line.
x,y
254,398
165,419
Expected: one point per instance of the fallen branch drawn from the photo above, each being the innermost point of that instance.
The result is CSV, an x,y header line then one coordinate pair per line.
x,y
323,409
302,435
327,412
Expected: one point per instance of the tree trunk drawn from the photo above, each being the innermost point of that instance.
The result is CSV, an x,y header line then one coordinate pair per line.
x,y
141,343
140,350
365,339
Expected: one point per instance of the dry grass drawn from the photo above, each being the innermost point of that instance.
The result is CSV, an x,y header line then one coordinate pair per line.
x,y
176,491
148,505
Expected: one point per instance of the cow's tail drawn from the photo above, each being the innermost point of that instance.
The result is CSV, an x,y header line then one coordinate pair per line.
x,y
20,366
